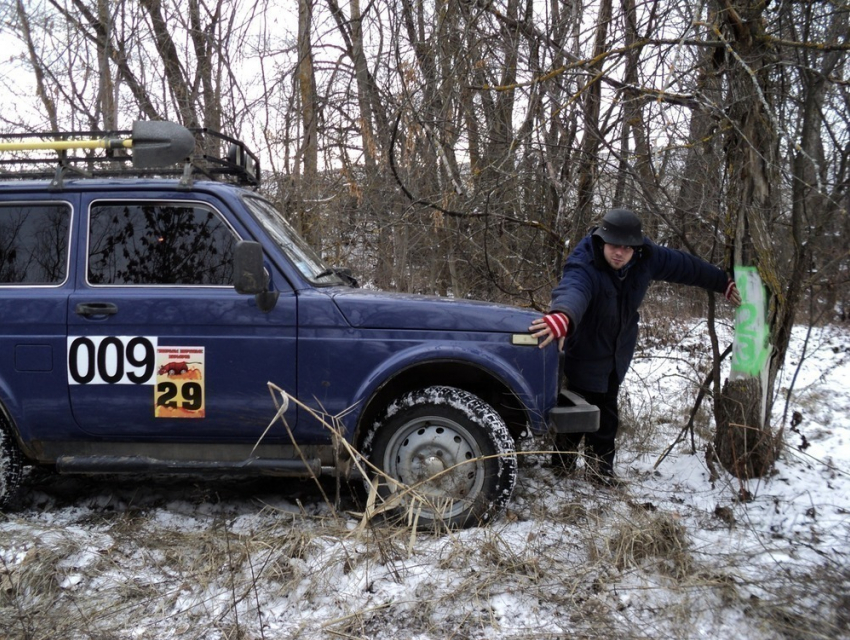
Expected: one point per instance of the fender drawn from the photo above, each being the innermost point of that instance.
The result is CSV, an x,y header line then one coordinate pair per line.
x,y
9,407
37,418
532,390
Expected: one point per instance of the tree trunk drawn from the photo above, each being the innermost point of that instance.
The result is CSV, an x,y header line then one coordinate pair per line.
x,y
176,79
633,123
373,129
106,88
204,42
36,62
744,440
307,179
698,201
589,165
743,448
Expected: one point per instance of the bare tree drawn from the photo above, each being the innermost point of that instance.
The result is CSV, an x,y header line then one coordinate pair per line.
x,y
461,146
305,174
593,135
757,207
150,58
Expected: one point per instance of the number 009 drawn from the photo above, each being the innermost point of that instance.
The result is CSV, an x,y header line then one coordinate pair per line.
x,y
111,359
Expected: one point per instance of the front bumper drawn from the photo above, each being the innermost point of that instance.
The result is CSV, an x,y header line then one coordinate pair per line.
x,y
573,414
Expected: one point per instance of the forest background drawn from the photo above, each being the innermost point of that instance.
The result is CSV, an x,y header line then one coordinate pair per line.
x,y
461,147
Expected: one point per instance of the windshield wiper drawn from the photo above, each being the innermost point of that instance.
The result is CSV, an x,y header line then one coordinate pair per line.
x,y
340,272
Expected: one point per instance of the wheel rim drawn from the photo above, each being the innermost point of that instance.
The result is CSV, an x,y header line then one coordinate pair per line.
x,y
434,446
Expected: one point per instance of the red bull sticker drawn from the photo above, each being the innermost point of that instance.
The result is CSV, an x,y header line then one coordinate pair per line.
x,y
179,389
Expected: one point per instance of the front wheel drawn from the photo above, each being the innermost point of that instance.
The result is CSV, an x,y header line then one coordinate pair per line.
x,y
448,457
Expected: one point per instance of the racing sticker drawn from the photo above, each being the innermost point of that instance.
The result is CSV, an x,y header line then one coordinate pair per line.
x,y
111,360
179,391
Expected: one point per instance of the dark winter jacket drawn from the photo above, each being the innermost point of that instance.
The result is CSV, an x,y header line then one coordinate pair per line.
x,y
602,304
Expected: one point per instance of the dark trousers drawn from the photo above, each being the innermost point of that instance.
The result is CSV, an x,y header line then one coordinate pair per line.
x,y
599,446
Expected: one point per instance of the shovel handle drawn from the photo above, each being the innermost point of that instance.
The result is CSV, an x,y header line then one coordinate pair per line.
x,y
59,145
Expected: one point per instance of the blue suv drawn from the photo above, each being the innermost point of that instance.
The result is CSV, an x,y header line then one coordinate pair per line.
x,y
145,310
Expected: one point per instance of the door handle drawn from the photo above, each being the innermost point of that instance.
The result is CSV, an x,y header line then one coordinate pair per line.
x,y
96,309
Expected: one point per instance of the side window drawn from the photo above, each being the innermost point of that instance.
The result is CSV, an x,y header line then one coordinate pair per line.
x,y
34,243
159,243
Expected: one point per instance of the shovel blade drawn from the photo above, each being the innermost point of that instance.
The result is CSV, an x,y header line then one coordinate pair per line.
x,y
160,144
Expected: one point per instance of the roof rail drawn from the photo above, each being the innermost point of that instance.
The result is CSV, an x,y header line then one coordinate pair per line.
x,y
159,149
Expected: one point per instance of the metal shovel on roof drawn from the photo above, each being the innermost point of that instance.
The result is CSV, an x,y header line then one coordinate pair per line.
x,y
153,144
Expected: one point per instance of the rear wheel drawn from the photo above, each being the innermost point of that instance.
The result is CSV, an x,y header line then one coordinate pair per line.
x,y
451,449
11,464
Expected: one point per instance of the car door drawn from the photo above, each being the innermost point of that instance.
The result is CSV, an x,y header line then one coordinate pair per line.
x,y
35,276
160,345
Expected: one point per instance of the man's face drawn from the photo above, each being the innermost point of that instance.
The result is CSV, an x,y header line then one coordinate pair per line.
x,y
617,255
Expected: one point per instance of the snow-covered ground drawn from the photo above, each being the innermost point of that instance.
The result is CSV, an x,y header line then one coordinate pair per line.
x,y
671,554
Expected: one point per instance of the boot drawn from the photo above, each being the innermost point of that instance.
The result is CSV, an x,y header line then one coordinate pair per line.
x,y
564,456
601,470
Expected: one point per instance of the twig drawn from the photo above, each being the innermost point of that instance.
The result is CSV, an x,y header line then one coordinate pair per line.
x,y
694,409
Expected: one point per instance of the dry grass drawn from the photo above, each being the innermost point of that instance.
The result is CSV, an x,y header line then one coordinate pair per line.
x,y
201,561
656,540
222,577
813,604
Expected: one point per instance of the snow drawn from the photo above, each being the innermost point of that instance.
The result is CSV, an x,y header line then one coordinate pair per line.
x,y
674,553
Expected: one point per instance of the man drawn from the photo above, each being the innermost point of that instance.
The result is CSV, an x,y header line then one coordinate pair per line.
x,y
594,311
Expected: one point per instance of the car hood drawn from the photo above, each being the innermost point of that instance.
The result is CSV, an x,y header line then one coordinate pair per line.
x,y
385,310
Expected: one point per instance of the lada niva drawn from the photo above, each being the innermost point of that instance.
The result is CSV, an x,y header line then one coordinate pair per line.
x,y
148,298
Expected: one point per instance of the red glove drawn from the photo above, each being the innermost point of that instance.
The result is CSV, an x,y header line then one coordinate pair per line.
x,y
558,324
732,293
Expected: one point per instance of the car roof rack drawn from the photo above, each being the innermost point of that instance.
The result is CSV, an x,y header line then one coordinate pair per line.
x,y
159,149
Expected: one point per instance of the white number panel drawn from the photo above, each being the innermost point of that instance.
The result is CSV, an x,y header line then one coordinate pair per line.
x,y
111,360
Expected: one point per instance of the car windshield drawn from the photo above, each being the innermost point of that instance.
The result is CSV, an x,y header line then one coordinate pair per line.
x,y
294,246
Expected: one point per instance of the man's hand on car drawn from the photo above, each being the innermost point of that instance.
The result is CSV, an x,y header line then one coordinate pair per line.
x,y
552,326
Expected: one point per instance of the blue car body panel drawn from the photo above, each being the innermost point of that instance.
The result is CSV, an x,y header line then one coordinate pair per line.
x,y
341,364
68,374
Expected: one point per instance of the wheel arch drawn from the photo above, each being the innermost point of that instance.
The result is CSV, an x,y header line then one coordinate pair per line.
x,y
11,461
448,372
7,420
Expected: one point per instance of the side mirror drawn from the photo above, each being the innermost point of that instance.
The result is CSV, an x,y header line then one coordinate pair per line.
x,y
249,275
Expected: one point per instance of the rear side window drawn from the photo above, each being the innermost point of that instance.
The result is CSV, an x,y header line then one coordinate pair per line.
x,y
34,243
158,243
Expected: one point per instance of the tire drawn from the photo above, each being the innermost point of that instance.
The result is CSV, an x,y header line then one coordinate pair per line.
x,y
11,464
454,435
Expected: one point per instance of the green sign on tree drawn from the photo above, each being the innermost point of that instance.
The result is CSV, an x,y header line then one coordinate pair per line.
x,y
750,347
